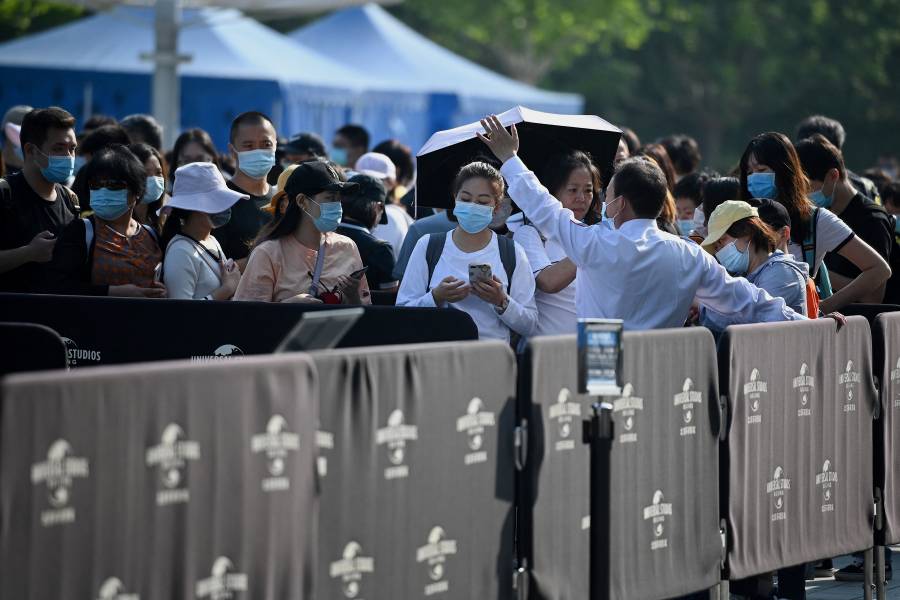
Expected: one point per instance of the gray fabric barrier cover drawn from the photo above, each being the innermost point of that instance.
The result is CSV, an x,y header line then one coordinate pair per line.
x,y
417,486
801,401
887,349
664,480
160,482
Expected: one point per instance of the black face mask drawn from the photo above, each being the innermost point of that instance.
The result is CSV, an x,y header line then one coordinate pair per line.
x,y
220,219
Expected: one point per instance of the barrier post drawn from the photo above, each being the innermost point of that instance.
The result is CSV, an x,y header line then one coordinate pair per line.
x,y
599,435
867,567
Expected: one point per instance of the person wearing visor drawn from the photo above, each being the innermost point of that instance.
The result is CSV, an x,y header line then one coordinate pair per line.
x,y
252,146
278,204
299,257
471,268
747,247
35,204
109,253
363,209
147,210
195,266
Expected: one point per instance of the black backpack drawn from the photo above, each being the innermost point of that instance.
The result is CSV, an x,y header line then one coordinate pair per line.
x,y
436,242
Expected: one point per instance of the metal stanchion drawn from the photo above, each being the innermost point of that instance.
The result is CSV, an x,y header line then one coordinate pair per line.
x,y
868,580
599,434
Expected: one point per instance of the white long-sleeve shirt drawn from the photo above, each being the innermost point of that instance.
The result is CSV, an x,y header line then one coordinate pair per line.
x,y
189,272
637,273
520,316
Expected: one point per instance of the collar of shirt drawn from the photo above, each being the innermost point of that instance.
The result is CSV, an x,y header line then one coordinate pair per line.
x,y
635,228
354,226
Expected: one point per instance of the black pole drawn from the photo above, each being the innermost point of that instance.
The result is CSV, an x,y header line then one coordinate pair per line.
x,y
600,437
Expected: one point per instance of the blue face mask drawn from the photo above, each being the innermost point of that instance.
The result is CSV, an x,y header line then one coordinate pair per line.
x,y
820,199
155,188
256,163
762,185
59,168
737,263
108,204
330,214
220,219
80,161
17,150
897,224
473,217
339,155
685,226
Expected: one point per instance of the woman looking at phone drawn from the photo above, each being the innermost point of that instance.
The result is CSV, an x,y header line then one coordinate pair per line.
x,y
299,258
472,269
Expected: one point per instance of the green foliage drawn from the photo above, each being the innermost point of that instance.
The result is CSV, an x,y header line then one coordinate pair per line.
x,y
20,17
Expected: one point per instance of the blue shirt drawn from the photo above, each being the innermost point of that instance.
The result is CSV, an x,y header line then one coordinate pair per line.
x,y
638,273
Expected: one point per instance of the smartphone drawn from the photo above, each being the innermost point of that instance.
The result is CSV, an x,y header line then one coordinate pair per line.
x,y
359,274
480,273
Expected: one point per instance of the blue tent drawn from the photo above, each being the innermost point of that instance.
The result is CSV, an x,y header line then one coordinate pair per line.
x,y
94,65
368,38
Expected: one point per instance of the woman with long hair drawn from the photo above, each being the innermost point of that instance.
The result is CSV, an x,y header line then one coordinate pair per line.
x,y
146,211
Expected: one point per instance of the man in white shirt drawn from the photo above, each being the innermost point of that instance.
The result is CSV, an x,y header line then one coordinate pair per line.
x,y
634,272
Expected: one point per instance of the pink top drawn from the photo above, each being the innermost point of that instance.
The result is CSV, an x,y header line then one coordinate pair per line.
x,y
281,269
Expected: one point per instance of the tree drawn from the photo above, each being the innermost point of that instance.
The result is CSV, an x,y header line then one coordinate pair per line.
x,y
20,17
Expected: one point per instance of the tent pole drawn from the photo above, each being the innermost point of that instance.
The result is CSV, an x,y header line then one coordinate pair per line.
x,y
166,90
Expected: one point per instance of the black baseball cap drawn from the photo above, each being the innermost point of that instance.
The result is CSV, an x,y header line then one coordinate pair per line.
x,y
370,190
315,176
772,212
305,143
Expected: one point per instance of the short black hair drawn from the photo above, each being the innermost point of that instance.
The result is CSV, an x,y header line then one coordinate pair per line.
x,y
97,121
684,152
830,128
643,184
357,135
818,156
691,186
118,163
38,122
251,117
401,156
143,127
102,137
631,140
891,193
716,191
362,206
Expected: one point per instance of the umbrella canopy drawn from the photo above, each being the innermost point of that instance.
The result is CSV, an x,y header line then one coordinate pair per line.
x,y
541,136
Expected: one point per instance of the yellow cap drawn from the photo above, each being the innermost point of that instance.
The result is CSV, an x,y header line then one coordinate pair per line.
x,y
282,180
726,214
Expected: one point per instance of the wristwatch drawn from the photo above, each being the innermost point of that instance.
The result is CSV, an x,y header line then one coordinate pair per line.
x,y
503,306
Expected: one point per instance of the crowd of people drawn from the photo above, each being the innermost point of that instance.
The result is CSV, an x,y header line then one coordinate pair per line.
x,y
654,239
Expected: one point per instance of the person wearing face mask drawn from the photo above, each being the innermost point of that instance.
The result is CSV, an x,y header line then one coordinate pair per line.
x,y
147,210
576,182
832,189
747,247
627,268
109,253
438,272
253,142
350,142
770,168
299,257
195,266
35,204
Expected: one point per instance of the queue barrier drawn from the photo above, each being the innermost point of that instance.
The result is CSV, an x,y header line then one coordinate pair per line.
x,y
663,519
164,481
798,455
418,483
887,430
29,347
105,331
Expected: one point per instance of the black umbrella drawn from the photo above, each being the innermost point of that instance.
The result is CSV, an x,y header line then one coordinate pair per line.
x,y
541,136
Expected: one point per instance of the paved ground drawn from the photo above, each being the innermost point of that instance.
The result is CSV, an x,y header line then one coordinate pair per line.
x,y
829,589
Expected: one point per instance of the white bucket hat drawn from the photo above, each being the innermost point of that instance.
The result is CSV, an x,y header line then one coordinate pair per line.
x,y
376,165
201,187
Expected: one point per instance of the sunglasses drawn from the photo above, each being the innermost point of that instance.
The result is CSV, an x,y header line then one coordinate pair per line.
x,y
110,184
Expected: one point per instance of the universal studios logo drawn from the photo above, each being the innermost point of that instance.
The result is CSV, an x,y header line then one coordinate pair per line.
x,y
434,554
351,568
566,414
223,583
276,442
848,379
58,472
171,456
777,489
395,436
114,589
627,407
223,352
753,391
656,513
804,383
74,354
686,400
474,423
825,481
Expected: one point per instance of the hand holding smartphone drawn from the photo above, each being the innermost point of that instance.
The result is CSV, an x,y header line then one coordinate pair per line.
x,y
480,272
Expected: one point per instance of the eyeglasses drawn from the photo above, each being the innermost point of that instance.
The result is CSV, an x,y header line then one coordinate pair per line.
x,y
110,184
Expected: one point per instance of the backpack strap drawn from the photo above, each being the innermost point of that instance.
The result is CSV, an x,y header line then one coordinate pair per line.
x,y
820,276
71,200
508,258
88,234
433,251
5,195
